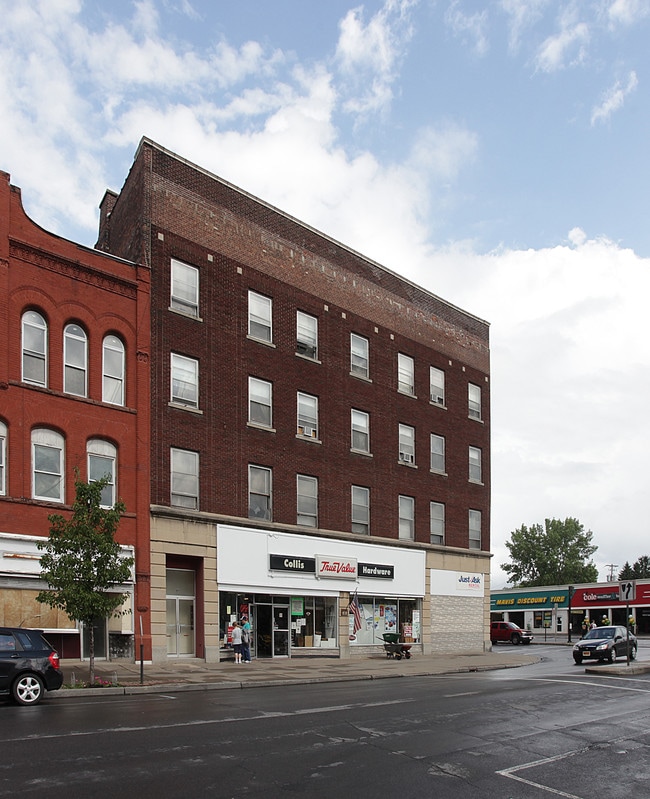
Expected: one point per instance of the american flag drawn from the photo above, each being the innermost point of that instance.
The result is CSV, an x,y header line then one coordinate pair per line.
x,y
355,609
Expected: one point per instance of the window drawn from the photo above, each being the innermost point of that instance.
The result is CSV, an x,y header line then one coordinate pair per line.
x,y
474,401
113,371
3,459
406,444
34,348
48,463
307,500
259,317
259,493
260,394
360,510
405,374
437,522
359,356
475,529
75,354
437,453
102,460
475,469
306,335
437,385
307,415
185,288
185,381
360,431
184,467
406,518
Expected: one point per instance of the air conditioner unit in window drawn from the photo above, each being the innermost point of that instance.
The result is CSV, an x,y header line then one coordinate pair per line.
x,y
310,432
406,457
437,399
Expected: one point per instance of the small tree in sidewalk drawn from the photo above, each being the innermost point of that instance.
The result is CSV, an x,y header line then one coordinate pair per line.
x,y
82,563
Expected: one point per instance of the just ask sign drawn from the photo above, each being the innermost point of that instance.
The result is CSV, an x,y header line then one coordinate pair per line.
x,y
327,566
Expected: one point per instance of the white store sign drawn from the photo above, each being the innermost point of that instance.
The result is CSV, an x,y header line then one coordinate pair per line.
x,y
449,583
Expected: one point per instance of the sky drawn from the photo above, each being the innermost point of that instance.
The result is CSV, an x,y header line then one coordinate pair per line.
x,y
496,153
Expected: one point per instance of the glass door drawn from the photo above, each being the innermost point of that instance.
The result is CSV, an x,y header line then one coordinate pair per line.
x,y
180,613
280,631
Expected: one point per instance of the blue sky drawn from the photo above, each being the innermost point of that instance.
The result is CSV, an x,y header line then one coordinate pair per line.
x,y
494,152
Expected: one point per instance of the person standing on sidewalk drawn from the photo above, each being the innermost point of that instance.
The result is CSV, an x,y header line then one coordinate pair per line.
x,y
246,640
237,641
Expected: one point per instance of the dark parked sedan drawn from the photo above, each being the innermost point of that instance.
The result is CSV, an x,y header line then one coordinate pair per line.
x,y
605,643
28,665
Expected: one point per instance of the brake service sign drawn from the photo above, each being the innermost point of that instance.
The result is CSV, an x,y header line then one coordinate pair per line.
x,y
327,566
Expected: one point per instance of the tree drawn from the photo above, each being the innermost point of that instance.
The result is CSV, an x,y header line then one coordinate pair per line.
x,y
83,564
556,554
627,572
640,570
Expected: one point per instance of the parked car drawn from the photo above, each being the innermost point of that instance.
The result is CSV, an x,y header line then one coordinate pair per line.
x,y
508,631
29,666
605,643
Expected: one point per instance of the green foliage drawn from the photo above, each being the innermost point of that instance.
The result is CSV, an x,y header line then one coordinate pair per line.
x,y
81,561
559,553
639,571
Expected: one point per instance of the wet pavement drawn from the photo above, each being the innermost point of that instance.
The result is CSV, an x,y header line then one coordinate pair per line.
x,y
123,677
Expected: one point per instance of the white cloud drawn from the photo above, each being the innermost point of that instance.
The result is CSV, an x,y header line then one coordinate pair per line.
x,y
470,28
614,98
627,12
566,46
522,15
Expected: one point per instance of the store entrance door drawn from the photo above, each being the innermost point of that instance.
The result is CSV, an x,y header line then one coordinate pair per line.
x,y
272,631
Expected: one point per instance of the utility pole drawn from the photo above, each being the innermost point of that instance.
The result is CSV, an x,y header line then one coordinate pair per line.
x,y
611,567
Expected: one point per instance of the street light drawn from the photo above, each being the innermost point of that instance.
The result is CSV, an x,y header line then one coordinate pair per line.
x,y
571,592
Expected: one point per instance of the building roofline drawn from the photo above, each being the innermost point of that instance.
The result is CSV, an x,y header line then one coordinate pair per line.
x,y
145,141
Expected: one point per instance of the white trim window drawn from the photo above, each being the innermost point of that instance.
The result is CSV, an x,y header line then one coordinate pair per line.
x,y
475,465
407,444
185,380
474,401
260,402
184,288
184,478
260,317
359,356
48,465
113,371
437,386
75,360
360,421
307,500
34,348
306,335
360,510
102,462
438,453
475,529
406,518
3,459
405,374
437,522
260,493
307,415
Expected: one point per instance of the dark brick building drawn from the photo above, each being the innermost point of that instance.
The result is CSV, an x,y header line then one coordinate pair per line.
x,y
308,408
74,396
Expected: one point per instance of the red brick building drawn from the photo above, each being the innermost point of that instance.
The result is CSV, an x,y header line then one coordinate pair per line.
x,y
320,429
74,396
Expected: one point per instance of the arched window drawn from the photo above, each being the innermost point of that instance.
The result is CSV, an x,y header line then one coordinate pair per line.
x,y
3,459
113,386
102,462
75,361
48,465
34,348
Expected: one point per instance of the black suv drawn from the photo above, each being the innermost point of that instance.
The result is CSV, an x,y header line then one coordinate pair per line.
x,y
28,665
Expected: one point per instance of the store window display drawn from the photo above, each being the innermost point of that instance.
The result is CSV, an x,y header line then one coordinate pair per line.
x,y
386,615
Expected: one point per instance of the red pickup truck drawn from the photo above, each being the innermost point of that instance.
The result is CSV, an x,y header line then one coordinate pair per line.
x,y
506,631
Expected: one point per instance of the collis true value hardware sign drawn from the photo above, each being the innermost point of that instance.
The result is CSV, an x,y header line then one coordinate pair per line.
x,y
328,566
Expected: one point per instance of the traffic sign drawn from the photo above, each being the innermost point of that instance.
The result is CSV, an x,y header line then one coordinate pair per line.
x,y
627,591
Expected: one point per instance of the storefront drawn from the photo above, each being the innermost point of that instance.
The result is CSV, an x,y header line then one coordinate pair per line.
x,y
295,591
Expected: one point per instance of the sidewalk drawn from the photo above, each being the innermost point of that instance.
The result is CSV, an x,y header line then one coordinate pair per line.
x,y
191,674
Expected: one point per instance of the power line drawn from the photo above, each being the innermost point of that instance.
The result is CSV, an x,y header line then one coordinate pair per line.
x,y
611,567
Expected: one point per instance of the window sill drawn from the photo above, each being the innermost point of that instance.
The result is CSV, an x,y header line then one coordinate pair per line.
x,y
409,465
257,426
180,407
439,473
440,405
476,419
365,378
185,314
361,452
261,341
476,482
309,438
407,393
307,358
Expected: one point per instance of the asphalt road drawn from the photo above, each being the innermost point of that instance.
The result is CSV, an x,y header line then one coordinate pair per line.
x,y
541,731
